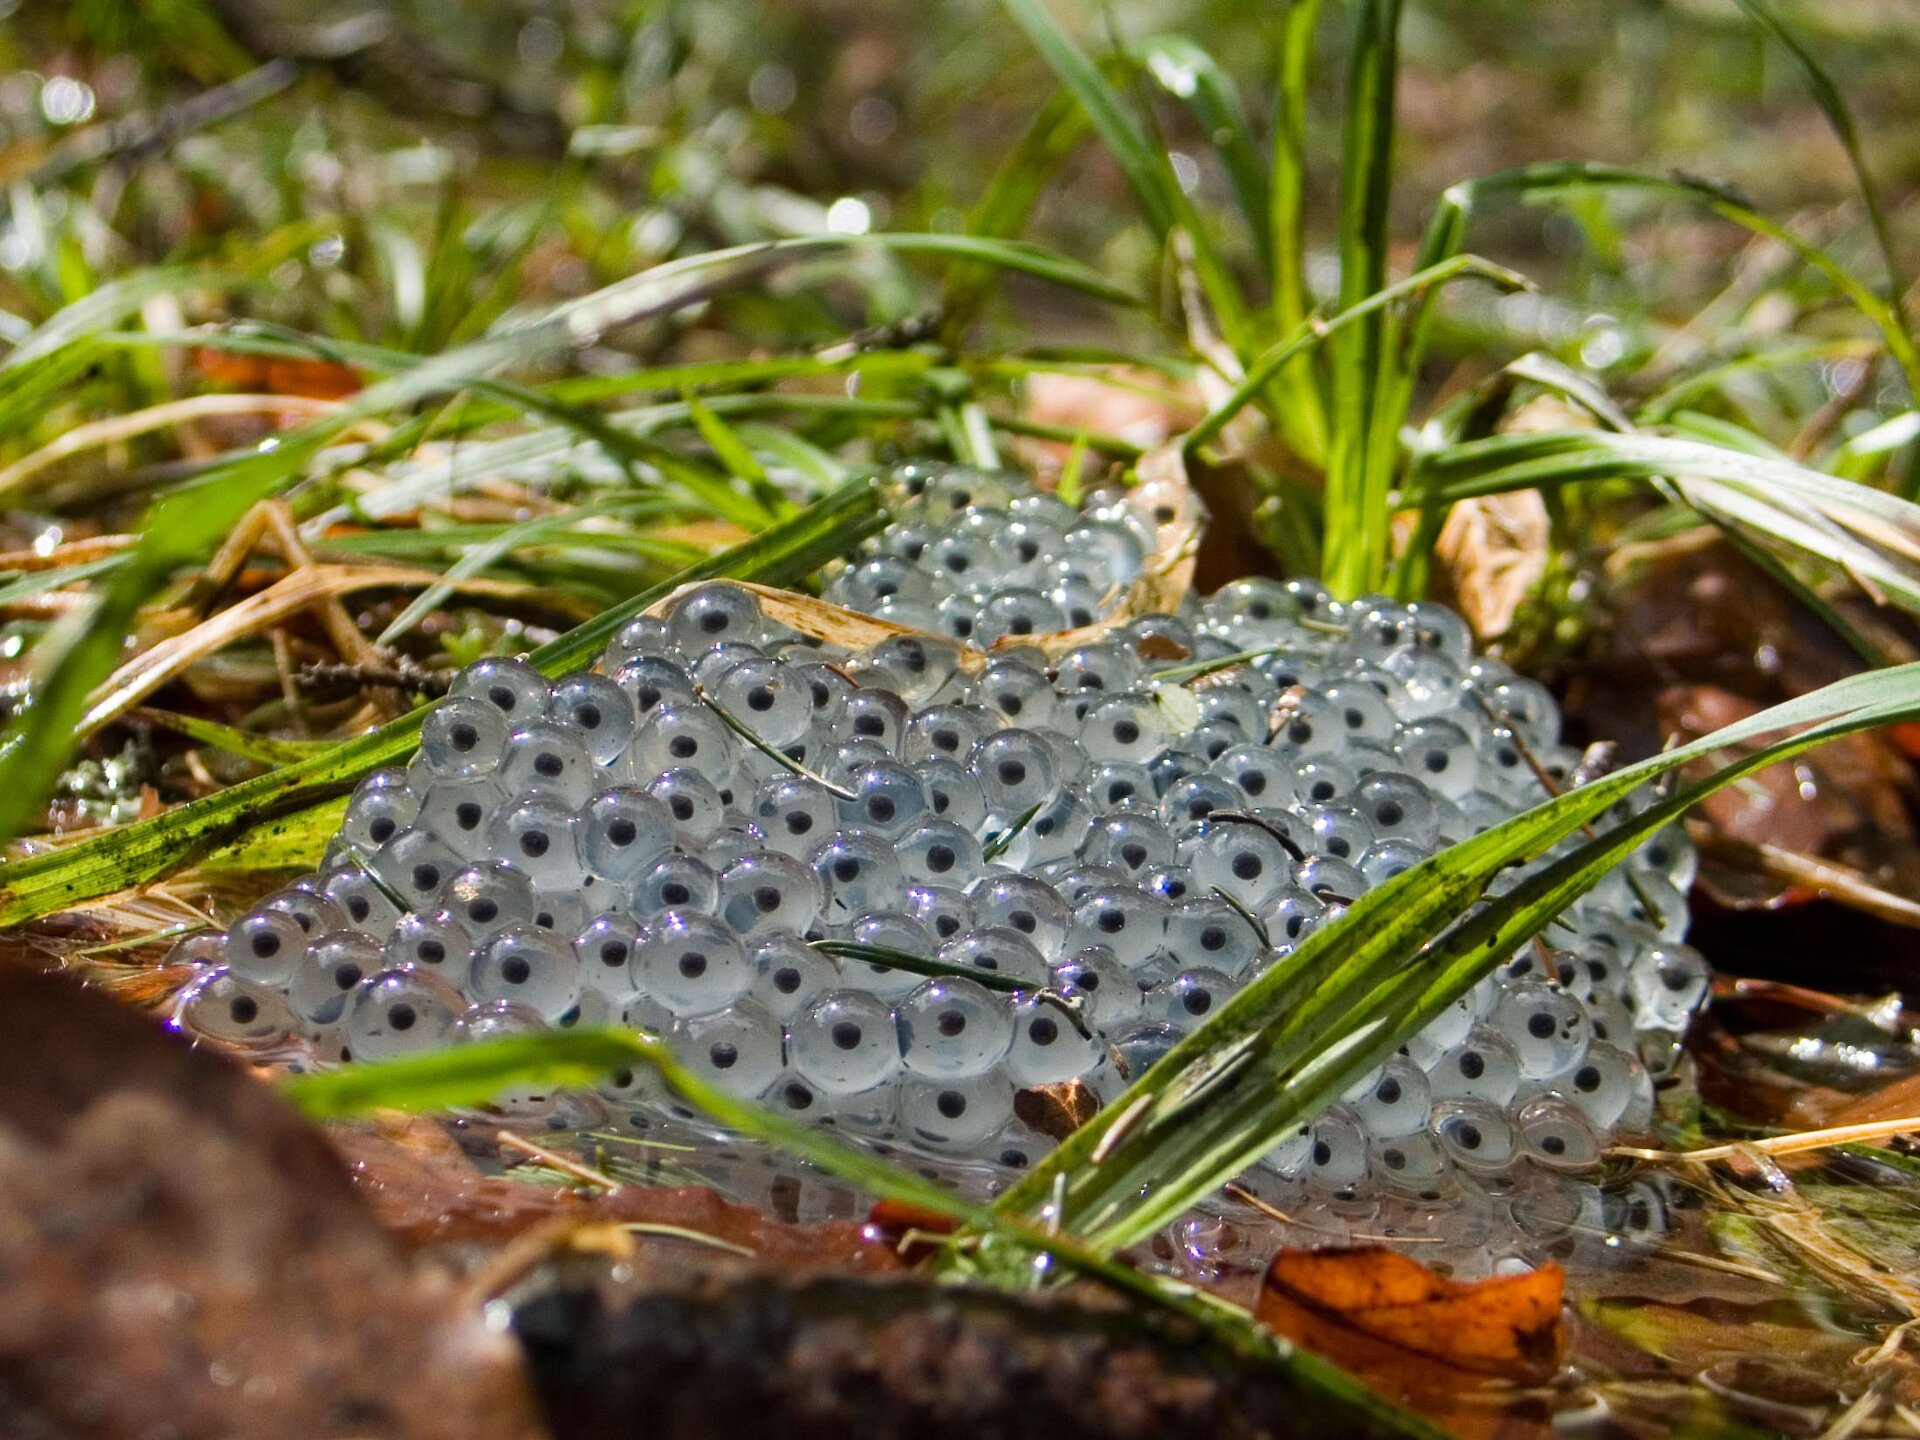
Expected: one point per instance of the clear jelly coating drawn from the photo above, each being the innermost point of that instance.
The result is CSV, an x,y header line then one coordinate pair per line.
x,y
1104,820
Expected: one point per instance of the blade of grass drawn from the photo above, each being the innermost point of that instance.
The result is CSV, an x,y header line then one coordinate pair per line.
x,y
1296,396
1009,199
734,453
1193,77
1148,170
1357,517
1552,180
1872,535
1311,331
1833,105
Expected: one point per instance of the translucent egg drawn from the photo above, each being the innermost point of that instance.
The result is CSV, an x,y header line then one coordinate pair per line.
x,y
953,793
1548,1029
999,950
414,868
1194,798
1244,858
1016,692
889,929
1605,1084
1189,996
1337,1154
954,1114
1412,1164
463,738
1129,924
711,614
1557,1135
769,891
1094,978
434,943
789,974
680,733
1119,784
382,807
795,813
844,1043
859,874
528,966
540,838
642,635
942,911
940,852
606,951
651,681
692,964
485,899
1395,1101
622,831
1667,984
951,1028
400,1012
1440,755
874,714
224,1007
742,1049
1014,769
697,807
768,698
884,797
950,730
264,947
512,687
1475,1134
676,882
1483,1065
1131,842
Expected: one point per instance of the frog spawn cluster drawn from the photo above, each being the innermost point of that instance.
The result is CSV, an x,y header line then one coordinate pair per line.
x,y
678,838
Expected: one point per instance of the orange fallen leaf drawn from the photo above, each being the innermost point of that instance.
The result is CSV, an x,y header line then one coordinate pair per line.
x,y
1906,738
1508,1325
278,375
905,1228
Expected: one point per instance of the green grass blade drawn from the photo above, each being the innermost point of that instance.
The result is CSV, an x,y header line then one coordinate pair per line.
x,y
1010,196
271,804
1870,535
1274,360
107,305
1142,160
1146,168
1833,105
1557,179
1193,77
1300,402
1357,475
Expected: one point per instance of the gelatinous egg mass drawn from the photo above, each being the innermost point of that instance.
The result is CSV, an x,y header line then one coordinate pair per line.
x,y
674,839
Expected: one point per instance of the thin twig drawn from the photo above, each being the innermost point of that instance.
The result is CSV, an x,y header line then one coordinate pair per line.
x,y
1798,1143
553,1159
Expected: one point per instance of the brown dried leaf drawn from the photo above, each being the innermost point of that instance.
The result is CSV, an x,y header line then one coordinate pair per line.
x,y
1494,551
1508,1325
1056,1110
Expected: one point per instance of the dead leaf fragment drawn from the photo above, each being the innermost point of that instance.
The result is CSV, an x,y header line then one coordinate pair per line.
x,y
1507,1326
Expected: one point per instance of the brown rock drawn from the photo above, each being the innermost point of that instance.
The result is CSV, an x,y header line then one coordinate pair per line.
x,y
182,1256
